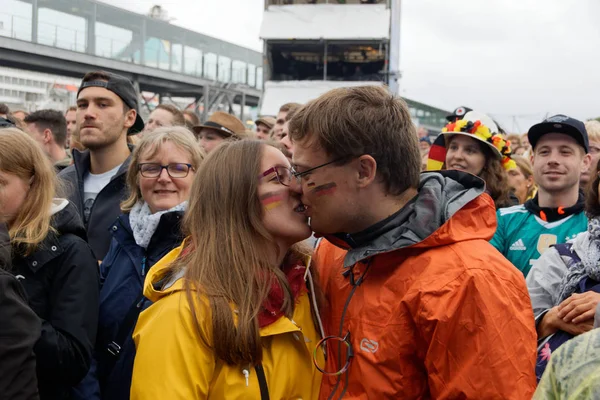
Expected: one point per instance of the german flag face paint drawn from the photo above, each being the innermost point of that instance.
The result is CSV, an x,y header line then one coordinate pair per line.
x,y
325,190
272,200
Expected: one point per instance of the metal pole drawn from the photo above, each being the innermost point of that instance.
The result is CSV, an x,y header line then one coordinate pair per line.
x,y
206,103
325,62
143,44
242,105
91,31
34,21
394,48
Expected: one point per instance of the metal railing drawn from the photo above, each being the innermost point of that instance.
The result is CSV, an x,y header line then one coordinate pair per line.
x,y
156,54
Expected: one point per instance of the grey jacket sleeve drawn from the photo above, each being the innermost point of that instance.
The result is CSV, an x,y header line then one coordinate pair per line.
x,y
544,281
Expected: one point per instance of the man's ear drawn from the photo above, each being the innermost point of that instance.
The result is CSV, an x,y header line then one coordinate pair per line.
x,y
130,117
47,136
587,163
367,170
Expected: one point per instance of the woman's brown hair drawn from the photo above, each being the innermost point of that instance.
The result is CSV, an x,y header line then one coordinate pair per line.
x,y
22,156
494,175
149,146
231,264
592,203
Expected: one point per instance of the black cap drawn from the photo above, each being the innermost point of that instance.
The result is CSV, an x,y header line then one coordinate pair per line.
x,y
560,124
123,88
6,123
459,113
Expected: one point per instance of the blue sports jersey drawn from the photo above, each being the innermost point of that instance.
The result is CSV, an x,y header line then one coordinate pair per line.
x,y
523,236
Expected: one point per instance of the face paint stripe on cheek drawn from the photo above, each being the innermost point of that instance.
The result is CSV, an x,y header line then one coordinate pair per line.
x,y
271,200
326,189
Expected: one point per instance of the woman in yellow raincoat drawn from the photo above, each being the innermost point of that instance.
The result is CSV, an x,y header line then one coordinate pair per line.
x,y
235,309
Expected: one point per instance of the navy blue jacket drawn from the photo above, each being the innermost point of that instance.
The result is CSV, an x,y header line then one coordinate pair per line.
x,y
122,274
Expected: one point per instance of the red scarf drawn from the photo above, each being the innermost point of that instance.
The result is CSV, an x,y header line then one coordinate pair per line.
x,y
271,310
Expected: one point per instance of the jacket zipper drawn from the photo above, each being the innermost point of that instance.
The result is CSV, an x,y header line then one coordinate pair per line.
x,y
144,265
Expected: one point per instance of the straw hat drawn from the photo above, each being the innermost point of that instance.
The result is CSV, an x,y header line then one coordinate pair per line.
x,y
268,121
225,124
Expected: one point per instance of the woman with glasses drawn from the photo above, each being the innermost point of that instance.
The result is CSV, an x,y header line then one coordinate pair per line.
x,y
159,178
235,308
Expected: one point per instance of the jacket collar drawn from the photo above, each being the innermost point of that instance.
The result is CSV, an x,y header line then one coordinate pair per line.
x,y
441,195
168,234
549,214
81,160
48,250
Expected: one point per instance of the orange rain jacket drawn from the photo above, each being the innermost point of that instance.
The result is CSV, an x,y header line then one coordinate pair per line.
x,y
440,314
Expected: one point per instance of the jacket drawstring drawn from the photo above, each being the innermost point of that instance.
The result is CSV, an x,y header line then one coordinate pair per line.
x,y
246,373
308,277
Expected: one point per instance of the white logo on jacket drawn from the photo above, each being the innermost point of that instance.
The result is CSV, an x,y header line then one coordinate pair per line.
x,y
370,346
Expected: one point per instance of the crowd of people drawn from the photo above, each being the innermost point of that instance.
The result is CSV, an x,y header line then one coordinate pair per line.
x,y
334,251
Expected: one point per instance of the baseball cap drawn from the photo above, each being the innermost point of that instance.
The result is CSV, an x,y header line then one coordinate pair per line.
x,y
560,124
123,88
458,113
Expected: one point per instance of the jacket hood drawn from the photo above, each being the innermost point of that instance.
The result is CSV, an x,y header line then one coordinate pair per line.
x,y
443,212
157,283
66,219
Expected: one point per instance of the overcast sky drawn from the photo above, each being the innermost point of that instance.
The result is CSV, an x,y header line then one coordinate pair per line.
x,y
517,60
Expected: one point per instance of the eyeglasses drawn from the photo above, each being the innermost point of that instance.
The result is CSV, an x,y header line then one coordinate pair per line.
x,y
303,173
345,354
175,170
284,175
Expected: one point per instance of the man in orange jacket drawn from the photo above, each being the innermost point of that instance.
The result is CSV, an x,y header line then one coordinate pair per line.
x,y
419,304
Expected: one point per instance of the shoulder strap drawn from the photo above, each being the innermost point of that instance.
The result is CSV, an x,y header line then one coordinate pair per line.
x,y
565,250
262,382
113,349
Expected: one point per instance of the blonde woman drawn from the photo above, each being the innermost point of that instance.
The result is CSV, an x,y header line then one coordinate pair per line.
x,y
53,262
233,316
520,179
159,179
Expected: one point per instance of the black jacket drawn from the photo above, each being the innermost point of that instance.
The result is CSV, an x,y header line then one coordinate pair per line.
x,y
106,207
19,331
61,282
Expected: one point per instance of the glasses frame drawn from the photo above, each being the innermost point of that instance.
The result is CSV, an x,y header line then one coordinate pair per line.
x,y
303,173
293,174
166,167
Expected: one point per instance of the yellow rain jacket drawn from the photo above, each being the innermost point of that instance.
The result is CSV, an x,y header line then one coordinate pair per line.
x,y
172,362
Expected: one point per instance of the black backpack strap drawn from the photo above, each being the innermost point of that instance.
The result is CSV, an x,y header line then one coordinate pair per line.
x,y
113,349
566,250
262,382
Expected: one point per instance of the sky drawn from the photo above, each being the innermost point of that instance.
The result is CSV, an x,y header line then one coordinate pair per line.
x,y
516,60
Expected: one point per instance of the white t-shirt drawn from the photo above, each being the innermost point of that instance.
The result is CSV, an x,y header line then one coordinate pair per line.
x,y
92,185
